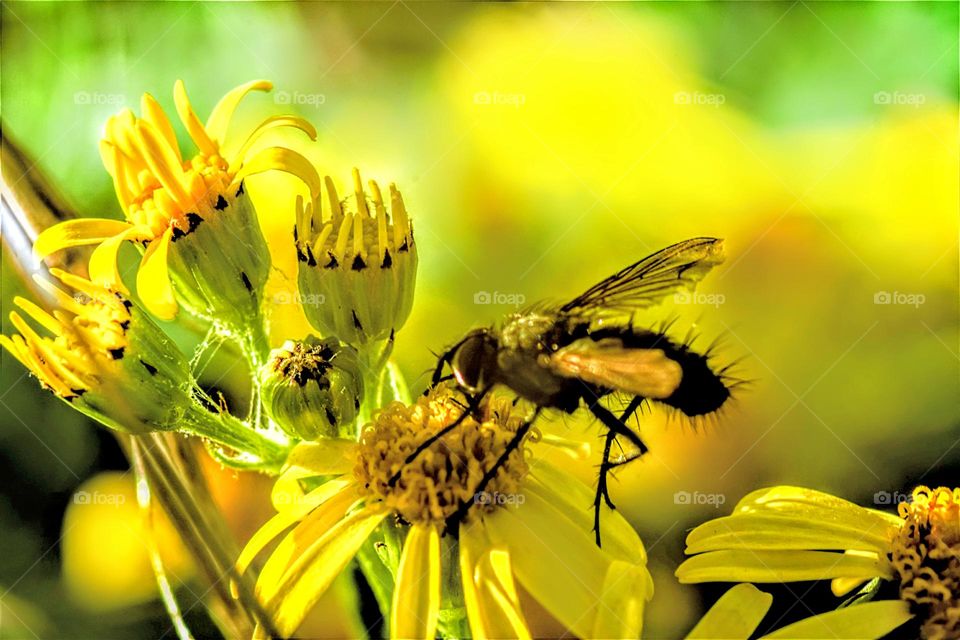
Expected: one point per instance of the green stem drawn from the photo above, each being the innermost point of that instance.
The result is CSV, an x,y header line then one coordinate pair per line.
x,y
229,431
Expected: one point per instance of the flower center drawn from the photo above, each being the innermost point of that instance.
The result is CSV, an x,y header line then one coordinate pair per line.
x,y
926,556
446,475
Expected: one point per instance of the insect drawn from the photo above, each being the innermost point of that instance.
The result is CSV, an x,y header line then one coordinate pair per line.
x,y
574,355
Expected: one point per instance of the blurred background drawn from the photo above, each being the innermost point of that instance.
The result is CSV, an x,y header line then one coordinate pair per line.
x,y
541,148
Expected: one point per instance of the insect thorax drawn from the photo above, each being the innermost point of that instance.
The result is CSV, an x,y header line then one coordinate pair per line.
x,y
526,331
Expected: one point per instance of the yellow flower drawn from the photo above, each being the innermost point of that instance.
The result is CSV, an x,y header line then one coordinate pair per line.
x,y
530,525
786,534
103,356
166,197
357,263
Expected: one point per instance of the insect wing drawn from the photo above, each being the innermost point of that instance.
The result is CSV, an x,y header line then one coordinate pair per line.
x,y
648,373
645,283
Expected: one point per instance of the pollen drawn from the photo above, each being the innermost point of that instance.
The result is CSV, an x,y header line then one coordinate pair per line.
x,y
926,556
433,486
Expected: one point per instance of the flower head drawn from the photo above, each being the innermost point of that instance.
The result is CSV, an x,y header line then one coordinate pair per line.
x,y
358,262
103,355
313,388
529,528
786,534
167,199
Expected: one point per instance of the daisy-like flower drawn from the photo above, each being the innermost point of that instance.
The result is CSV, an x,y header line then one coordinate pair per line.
x,y
530,525
786,534
357,262
104,356
192,215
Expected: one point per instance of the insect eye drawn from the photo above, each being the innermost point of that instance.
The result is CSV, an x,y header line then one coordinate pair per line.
x,y
468,362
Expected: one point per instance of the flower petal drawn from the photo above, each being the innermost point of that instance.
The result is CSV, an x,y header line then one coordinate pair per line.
x,y
75,233
416,597
103,261
153,279
554,559
280,522
190,120
281,159
493,607
858,622
777,566
272,122
625,594
153,113
735,616
291,598
222,114
808,503
763,530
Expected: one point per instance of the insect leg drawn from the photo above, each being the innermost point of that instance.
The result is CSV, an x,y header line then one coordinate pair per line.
x,y
492,472
615,426
473,402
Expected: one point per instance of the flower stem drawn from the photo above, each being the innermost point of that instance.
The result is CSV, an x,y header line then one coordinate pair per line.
x,y
229,431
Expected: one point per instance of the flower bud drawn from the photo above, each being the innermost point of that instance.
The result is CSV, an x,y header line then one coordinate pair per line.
x,y
357,263
314,388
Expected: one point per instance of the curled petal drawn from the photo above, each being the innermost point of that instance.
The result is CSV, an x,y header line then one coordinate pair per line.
x,y
222,114
153,279
75,233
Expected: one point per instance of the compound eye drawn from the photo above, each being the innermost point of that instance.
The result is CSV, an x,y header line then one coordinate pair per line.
x,y
468,362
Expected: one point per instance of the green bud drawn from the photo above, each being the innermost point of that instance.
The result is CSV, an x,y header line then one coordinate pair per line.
x,y
357,263
314,388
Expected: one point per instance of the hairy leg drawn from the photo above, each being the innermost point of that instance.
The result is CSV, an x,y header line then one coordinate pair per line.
x,y
615,426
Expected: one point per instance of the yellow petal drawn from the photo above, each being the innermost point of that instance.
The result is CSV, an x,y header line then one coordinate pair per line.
x,y
842,586
103,261
858,622
280,522
416,597
618,538
153,279
222,114
556,561
281,159
809,503
164,164
153,113
625,597
272,122
190,120
735,616
777,566
74,233
762,530
493,608
304,536
318,566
